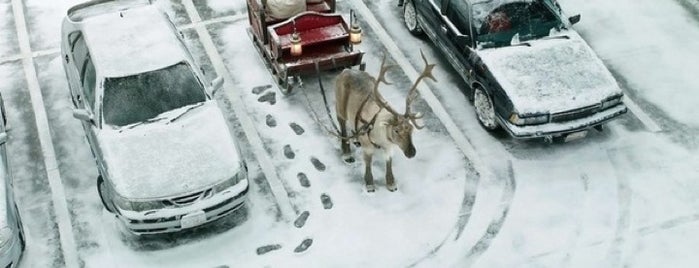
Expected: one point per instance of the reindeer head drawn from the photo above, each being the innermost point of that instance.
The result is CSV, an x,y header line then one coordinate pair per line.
x,y
400,126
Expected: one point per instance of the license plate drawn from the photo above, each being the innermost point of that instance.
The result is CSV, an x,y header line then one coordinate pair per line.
x,y
193,219
576,135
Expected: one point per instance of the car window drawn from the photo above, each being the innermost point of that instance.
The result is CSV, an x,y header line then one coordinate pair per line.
x,y
528,20
79,52
140,97
89,81
457,12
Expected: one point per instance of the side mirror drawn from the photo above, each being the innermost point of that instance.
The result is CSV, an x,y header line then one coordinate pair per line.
x,y
3,138
216,84
574,19
82,114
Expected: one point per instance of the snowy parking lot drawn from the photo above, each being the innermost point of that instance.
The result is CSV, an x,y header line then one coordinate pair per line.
x,y
626,196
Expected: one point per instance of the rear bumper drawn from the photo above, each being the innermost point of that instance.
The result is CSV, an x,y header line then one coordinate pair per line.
x,y
562,128
169,219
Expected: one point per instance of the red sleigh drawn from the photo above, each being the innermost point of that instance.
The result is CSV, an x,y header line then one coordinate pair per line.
x,y
315,40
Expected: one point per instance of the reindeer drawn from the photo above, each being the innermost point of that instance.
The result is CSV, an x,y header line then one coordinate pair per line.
x,y
376,125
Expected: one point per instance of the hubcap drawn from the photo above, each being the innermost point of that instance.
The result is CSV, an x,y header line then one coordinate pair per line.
x,y
484,109
409,16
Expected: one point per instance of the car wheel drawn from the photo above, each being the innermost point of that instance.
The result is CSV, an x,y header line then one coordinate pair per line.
x,y
484,109
410,18
101,190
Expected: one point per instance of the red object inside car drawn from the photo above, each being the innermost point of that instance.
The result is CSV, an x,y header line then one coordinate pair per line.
x,y
498,22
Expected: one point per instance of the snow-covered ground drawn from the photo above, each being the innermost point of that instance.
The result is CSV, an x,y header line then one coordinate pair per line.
x,y
623,197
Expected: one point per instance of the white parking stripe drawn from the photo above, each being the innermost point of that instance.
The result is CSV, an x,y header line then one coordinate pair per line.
x,y
246,122
65,231
641,115
232,18
32,55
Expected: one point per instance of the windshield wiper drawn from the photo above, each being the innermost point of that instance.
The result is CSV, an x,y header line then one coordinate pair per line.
x,y
151,120
186,111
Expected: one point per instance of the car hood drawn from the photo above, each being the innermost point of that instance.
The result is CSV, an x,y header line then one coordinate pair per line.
x,y
551,75
163,158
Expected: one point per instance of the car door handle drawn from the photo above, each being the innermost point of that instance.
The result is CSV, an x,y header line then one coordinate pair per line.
x,y
444,29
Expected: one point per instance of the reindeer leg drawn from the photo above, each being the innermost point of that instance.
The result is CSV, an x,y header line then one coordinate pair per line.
x,y
368,177
344,144
390,180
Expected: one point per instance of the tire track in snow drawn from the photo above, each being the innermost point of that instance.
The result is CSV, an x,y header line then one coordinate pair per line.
x,y
623,232
496,224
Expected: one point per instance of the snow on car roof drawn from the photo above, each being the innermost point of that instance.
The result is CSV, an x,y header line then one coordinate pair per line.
x,y
132,41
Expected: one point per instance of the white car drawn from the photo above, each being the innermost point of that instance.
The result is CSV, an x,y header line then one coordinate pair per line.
x,y
166,158
12,241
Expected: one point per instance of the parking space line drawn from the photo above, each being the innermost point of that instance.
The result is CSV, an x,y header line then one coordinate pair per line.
x,y
246,122
33,55
231,18
641,115
60,205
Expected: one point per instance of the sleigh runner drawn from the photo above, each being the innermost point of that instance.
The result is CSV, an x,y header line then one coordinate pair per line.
x,y
312,41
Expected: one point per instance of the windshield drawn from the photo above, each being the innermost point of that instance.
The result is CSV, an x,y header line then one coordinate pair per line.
x,y
140,97
498,21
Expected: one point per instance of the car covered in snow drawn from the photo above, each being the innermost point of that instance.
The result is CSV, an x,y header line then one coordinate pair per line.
x,y
166,158
527,70
12,241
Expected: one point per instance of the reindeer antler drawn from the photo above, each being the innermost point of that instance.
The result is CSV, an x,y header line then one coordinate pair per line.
x,y
382,79
412,93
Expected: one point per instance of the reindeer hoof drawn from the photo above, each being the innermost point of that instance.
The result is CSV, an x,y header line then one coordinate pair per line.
x,y
370,188
392,188
348,158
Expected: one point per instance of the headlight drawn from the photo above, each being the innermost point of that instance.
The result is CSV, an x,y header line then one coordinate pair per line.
x,y
5,236
137,205
610,103
235,179
529,120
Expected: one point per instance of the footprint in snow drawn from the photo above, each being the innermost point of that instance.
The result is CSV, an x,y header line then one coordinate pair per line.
x,y
301,219
317,164
271,122
288,152
268,97
260,89
266,249
303,179
305,244
327,202
297,129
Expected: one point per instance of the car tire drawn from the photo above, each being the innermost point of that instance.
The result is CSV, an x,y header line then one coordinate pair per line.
x,y
410,18
100,191
485,111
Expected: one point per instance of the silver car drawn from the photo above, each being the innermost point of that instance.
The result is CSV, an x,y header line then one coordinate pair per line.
x,y
166,158
12,241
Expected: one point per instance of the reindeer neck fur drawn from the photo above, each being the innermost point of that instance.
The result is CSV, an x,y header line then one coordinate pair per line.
x,y
378,136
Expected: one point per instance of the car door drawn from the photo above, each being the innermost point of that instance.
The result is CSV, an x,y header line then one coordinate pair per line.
x,y
458,32
74,58
429,10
